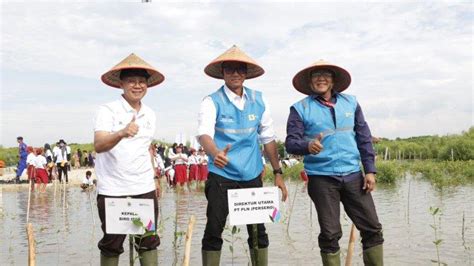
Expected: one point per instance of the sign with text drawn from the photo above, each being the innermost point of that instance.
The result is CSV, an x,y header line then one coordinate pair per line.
x,y
253,205
120,213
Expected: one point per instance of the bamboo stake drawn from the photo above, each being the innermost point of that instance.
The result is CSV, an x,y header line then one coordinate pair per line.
x,y
90,203
54,183
64,195
408,201
189,234
130,242
31,245
350,248
29,203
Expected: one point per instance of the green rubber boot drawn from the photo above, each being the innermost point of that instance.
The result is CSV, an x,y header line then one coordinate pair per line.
x,y
109,261
260,256
373,256
211,258
331,259
149,258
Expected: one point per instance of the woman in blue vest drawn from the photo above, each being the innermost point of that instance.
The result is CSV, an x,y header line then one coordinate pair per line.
x,y
232,122
329,129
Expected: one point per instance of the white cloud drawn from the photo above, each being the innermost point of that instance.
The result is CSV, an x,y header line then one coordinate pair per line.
x,y
411,63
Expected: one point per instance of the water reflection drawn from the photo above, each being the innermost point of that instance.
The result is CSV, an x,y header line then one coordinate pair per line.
x,y
69,236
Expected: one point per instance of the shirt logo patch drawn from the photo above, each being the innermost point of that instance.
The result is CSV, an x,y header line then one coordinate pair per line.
x,y
348,114
147,125
252,117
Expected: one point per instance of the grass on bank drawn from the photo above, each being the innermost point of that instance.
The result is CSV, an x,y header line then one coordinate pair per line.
x,y
438,173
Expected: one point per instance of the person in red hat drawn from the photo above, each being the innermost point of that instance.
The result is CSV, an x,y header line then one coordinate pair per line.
x,y
329,129
123,132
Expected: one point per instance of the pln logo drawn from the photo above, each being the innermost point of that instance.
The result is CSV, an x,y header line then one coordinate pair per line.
x,y
252,117
348,114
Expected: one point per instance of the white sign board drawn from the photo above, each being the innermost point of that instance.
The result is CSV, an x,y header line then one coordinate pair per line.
x,y
120,213
253,205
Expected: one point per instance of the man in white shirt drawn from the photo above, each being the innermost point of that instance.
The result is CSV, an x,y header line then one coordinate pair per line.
x,y
62,154
232,122
124,130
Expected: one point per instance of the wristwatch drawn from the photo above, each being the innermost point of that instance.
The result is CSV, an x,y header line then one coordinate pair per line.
x,y
277,171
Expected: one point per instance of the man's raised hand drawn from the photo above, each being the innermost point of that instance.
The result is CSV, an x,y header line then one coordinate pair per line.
x,y
315,145
130,130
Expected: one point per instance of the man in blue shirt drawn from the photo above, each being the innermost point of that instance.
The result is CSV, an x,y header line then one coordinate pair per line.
x,y
232,122
22,154
329,129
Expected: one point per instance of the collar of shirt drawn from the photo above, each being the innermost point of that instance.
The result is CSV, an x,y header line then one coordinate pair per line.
x,y
127,107
331,103
236,99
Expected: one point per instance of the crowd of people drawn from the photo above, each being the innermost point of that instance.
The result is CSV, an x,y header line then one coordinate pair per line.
x,y
45,164
179,164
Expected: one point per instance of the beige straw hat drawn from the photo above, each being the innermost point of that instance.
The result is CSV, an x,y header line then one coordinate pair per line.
x,y
342,78
214,69
112,77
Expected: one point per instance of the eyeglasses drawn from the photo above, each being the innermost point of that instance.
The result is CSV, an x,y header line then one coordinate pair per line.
x,y
133,82
230,70
321,73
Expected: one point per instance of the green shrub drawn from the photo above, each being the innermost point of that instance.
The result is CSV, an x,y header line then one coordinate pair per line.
x,y
388,171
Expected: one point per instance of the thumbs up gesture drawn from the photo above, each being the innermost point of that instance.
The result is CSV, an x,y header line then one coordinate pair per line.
x,y
130,130
315,145
221,159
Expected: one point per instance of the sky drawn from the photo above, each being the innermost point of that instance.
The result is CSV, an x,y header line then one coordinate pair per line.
x,y
411,62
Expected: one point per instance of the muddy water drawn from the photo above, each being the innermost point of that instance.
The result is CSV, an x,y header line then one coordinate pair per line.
x,y
68,236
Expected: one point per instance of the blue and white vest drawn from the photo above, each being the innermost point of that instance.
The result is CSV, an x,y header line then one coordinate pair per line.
x,y
340,155
240,130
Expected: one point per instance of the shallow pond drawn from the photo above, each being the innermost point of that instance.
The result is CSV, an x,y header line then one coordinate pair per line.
x,y
68,236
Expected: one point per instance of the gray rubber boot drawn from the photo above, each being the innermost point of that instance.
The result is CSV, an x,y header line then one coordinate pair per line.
x,y
211,258
260,256
109,261
149,258
373,256
331,259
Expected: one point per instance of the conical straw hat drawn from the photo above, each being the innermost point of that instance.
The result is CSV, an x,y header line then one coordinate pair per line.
x,y
302,79
214,69
112,77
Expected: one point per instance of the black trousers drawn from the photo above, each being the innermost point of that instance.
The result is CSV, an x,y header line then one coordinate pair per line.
x,y
112,244
217,211
326,193
61,170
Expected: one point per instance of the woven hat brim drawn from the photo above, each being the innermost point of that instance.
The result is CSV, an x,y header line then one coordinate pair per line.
x,y
301,81
112,77
214,69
